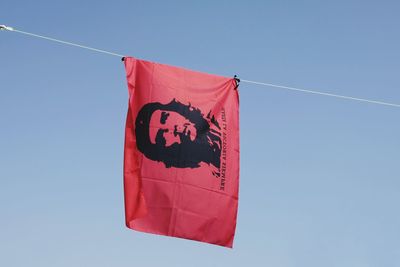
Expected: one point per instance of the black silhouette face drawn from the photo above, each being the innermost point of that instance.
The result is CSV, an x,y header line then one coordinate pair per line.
x,y
177,135
169,127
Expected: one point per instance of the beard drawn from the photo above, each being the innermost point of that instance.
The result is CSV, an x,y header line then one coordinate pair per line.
x,y
189,154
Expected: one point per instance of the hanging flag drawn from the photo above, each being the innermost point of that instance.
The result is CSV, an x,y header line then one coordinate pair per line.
x,y
181,166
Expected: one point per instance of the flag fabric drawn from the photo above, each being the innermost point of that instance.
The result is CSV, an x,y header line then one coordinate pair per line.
x,y
181,158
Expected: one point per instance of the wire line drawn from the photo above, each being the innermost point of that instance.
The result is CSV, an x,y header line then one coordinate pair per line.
x,y
323,93
4,27
67,43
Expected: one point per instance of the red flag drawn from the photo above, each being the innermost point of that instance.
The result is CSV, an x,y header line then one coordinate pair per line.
x,y
181,167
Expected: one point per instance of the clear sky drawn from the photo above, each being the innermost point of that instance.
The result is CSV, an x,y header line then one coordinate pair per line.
x,y
320,177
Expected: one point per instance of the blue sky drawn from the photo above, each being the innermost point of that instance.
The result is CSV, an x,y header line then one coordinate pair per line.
x,y
319,176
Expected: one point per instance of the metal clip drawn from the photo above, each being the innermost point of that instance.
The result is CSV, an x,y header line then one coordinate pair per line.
x,y
237,81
